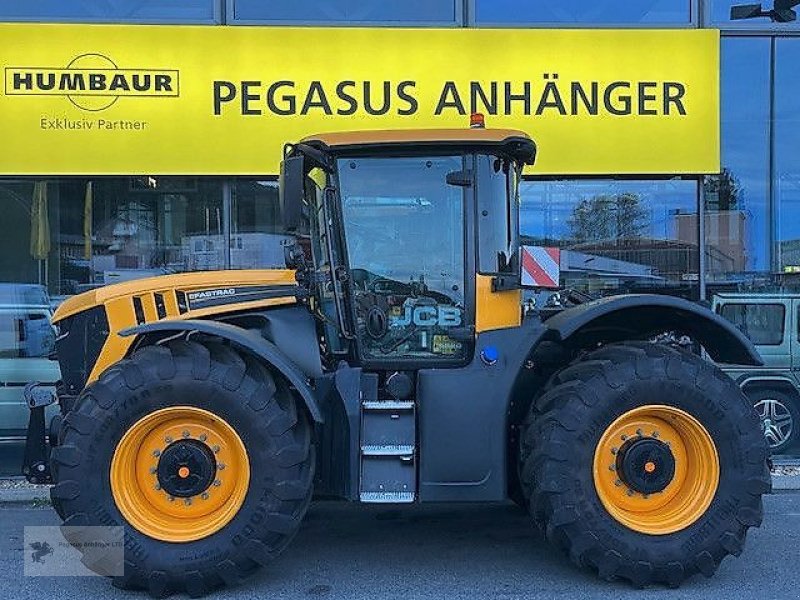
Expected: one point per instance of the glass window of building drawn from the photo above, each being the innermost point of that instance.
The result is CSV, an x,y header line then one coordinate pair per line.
x,y
26,241
720,14
786,181
617,235
116,11
64,236
737,223
257,238
346,11
70,235
586,12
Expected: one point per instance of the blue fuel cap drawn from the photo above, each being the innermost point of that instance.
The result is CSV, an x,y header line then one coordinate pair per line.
x,y
490,355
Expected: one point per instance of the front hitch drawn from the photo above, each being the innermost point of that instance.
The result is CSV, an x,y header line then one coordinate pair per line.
x,y
36,463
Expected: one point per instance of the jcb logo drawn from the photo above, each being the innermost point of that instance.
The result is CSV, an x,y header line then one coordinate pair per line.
x,y
429,316
91,82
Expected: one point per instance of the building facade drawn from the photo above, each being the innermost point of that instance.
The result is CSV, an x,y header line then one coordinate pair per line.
x,y
735,231
751,236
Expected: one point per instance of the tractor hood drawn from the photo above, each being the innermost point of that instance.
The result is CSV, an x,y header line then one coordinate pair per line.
x,y
191,291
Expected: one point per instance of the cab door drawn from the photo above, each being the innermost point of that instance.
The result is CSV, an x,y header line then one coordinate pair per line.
x,y
405,225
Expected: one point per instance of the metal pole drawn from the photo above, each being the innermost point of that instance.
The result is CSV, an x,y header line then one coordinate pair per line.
x,y
774,254
227,210
701,238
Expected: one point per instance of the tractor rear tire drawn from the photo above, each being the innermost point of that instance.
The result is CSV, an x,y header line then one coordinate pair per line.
x,y
148,440
644,463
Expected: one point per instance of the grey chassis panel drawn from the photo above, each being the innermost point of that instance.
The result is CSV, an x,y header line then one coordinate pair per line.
x,y
246,339
463,420
641,313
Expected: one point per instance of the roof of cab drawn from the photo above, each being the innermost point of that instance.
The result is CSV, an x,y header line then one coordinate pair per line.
x,y
346,140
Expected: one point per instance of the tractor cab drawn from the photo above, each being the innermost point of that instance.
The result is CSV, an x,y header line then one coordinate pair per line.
x,y
410,235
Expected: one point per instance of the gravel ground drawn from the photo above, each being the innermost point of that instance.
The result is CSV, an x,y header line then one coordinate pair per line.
x,y
786,470
18,483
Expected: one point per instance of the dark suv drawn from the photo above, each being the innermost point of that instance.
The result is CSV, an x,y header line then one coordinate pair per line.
x,y
771,321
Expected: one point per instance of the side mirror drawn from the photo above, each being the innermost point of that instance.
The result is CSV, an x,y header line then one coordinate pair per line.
x,y
291,191
782,11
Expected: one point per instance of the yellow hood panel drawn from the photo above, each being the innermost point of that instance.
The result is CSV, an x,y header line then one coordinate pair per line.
x,y
181,281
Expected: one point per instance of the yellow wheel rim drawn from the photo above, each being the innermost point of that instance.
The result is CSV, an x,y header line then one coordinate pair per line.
x,y
690,476
152,479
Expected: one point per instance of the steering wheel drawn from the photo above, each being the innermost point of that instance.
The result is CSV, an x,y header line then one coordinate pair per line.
x,y
378,284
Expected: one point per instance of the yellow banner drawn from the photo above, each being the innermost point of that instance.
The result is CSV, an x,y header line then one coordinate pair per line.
x,y
114,99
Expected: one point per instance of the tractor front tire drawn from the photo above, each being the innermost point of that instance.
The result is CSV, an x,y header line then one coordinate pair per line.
x,y
644,463
199,452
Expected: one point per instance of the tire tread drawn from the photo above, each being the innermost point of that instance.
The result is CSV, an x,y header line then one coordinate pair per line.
x,y
261,395
545,460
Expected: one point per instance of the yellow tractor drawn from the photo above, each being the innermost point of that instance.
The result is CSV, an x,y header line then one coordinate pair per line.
x,y
394,361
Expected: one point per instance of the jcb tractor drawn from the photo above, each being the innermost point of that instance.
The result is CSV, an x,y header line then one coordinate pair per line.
x,y
394,361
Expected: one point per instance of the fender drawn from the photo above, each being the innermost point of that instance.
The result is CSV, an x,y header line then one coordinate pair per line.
x,y
765,377
248,340
629,316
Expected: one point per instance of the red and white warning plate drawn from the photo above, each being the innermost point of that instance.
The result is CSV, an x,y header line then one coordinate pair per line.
x,y
541,266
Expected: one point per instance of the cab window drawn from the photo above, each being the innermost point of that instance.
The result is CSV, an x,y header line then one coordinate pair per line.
x,y
315,184
404,227
498,210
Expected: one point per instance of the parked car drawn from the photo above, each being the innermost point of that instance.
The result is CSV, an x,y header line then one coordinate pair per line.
x,y
771,321
27,341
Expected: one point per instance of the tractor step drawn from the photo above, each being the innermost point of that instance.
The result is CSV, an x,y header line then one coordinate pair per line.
x,y
387,497
388,451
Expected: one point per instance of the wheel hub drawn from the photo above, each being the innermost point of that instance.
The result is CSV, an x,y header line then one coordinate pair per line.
x,y
656,469
645,465
180,474
186,468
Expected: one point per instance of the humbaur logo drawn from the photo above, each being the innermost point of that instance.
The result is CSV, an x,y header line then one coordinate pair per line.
x,y
92,82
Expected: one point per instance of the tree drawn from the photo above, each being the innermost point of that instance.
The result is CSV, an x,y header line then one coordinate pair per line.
x,y
723,191
607,216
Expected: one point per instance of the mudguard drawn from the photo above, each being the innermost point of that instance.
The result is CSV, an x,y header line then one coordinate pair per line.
x,y
634,314
248,340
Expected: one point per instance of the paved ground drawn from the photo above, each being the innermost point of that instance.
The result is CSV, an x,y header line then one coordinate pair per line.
x,y
436,552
